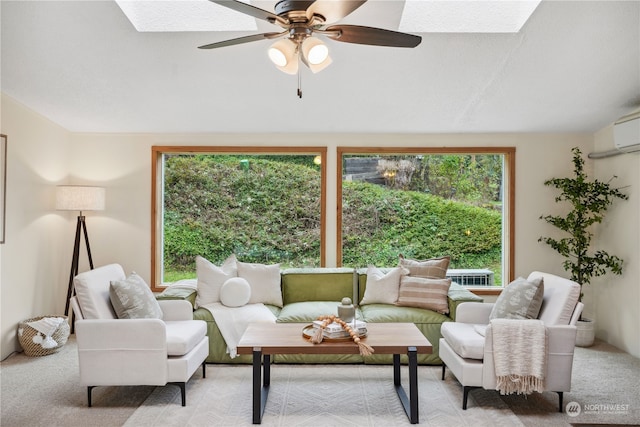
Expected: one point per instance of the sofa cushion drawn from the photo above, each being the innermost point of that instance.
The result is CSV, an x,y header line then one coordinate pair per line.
x,y
317,284
211,278
425,293
302,312
385,313
132,299
264,281
235,292
184,335
434,268
92,291
464,339
382,288
520,299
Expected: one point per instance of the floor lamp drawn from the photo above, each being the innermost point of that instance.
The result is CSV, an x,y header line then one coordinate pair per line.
x,y
79,198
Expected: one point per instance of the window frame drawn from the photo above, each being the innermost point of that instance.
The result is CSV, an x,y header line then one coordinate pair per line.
x,y
157,178
509,174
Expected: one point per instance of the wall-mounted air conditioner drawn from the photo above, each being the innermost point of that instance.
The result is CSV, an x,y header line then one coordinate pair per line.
x,y
626,133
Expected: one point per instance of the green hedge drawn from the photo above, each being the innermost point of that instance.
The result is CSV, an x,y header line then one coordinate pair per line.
x,y
270,213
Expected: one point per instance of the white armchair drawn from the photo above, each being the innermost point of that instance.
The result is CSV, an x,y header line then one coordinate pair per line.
x,y
116,352
470,356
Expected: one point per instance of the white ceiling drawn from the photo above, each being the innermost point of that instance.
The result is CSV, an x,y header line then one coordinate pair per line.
x,y
574,67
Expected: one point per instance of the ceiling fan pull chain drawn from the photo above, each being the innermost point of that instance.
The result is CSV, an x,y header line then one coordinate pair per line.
x,y
299,80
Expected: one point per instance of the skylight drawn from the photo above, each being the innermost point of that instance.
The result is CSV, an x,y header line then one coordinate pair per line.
x,y
184,15
417,16
466,16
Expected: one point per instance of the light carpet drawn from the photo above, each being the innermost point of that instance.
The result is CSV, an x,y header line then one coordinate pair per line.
x,y
45,391
318,395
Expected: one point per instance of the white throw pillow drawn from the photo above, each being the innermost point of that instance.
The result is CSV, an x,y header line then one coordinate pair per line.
x,y
211,278
264,281
382,288
235,292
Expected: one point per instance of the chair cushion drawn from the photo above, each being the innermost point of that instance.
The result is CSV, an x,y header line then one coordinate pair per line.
x,y
464,339
560,298
520,299
92,291
184,335
132,299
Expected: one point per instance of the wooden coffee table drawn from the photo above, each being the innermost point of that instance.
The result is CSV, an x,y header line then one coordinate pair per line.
x,y
264,339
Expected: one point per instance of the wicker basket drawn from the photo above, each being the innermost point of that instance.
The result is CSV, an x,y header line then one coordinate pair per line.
x,y
31,339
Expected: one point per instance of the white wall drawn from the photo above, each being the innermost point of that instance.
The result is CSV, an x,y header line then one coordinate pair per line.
x,y
37,255
612,300
36,258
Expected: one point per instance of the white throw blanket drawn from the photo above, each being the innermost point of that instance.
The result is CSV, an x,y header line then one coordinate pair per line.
x,y
233,321
47,327
519,352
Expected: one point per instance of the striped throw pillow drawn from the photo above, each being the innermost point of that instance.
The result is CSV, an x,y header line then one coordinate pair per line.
x,y
434,268
424,293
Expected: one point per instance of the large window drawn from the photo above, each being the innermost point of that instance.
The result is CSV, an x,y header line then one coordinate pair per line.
x,y
264,204
425,203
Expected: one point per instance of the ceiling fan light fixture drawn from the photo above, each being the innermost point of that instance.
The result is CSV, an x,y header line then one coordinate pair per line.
x,y
284,55
277,57
315,51
315,54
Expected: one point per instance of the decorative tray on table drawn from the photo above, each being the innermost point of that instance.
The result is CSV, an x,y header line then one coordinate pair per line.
x,y
310,330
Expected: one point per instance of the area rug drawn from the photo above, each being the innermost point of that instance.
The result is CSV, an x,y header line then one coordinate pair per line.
x,y
319,395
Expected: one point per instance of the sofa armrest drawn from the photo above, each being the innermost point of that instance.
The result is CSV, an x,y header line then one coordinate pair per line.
x,y
561,339
122,352
457,295
176,310
125,334
474,312
183,290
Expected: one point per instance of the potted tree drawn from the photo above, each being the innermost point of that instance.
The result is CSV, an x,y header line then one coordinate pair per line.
x,y
589,200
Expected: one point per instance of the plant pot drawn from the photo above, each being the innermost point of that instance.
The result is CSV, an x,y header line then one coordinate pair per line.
x,y
586,332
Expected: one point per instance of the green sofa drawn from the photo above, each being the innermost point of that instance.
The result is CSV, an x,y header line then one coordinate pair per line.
x,y
311,292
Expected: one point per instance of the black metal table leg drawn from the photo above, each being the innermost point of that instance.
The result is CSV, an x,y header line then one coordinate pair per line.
x,y
410,404
413,384
266,367
396,370
260,388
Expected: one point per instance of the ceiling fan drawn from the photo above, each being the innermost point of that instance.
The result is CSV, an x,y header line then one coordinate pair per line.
x,y
301,20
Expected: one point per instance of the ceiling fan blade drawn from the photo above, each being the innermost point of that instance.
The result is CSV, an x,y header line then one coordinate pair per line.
x,y
247,9
241,40
371,36
333,10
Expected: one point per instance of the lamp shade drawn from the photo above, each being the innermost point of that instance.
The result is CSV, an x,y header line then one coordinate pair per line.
x,y
80,198
284,54
315,54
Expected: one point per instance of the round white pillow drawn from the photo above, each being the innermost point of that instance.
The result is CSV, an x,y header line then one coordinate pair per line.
x,y
235,292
